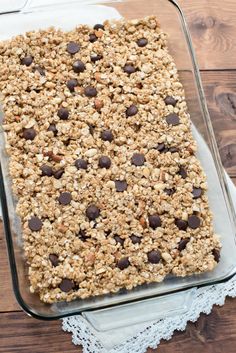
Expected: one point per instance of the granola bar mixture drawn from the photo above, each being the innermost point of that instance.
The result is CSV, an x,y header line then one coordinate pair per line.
x,y
102,159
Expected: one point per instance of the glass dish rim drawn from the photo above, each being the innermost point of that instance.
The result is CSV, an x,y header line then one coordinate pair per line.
x,y
222,180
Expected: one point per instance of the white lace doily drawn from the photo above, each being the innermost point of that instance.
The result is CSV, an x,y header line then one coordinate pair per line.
x,y
149,334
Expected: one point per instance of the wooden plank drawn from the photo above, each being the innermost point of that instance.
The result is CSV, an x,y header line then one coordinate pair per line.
x,y
215,333
212,25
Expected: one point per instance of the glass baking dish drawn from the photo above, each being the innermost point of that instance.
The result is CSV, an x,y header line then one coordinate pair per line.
x,y
39,14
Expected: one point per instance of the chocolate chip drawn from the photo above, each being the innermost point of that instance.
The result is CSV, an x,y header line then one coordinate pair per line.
x,y
172,119
138,159
194,222
154,256
173,149
183,243
78,66
107,135
90,91
132,110
53,128
129,69
135,239
119,240
182,172
98,26
216,254
154,221
54,259
169,192
93,38
95,58
27,60
160,147
104,162
121,185
81,164
40,70
92,212
123,263
58,173
65,198
82,235
29,134
63,113
46,170
71,84
181,224
72,48
197,192
66,285
142,42
170,101
35,224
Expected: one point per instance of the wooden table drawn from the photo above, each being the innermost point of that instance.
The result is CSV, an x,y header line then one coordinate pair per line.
x,y
212,25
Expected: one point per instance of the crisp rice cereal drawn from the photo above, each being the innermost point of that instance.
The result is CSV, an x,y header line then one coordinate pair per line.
x,y
70,255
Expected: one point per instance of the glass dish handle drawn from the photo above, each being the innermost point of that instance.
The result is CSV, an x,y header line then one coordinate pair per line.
x,y
139,312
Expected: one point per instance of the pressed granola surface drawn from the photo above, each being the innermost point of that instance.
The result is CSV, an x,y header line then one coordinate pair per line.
x,y
93,225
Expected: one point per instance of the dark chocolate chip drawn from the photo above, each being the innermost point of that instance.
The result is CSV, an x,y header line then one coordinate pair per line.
x,y
107,135
40,70
81,164
181,224
71,84
29,134
182,172
78,66
216,254
123,263
138,159
169,192
183,243
95,58
54,259
82,235
160,147
66,285
35,224
63,113
142,42
91,128
132,110
92,212
27,60
93,38
197,192
154,221
121,185
65,198
194,222
154,256
170,101
129,69
90,91
98,26
72,48
58,173
46,170
104,162
135,239
53,128
119,240
173,149
172,119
